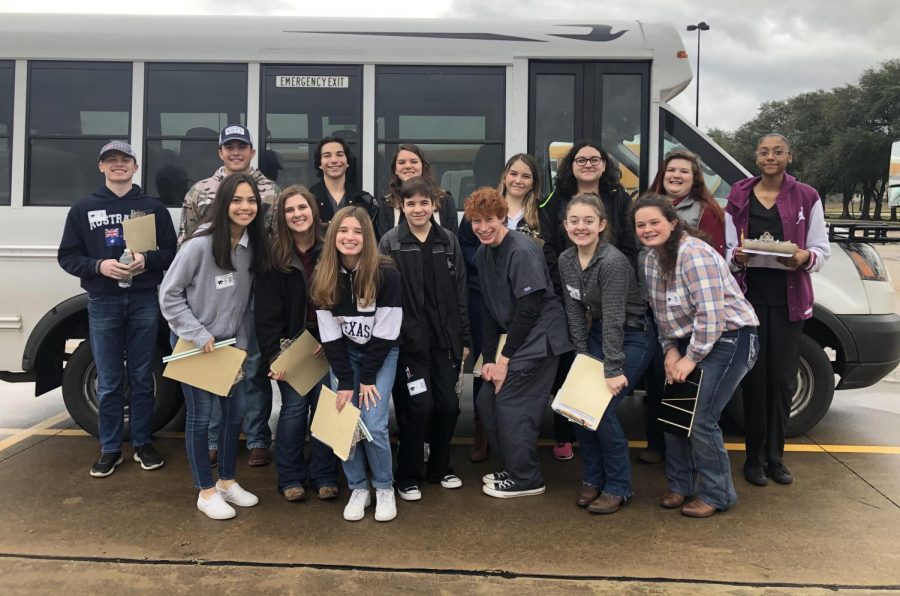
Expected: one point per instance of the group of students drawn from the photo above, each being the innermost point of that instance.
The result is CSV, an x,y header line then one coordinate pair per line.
x,y
399,296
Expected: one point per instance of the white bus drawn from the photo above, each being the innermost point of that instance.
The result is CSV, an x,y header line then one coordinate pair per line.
x,y
469,92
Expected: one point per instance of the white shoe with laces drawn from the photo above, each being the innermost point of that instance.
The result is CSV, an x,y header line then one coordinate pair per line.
x,y
451,481
355,510
385,504
236,495
215,507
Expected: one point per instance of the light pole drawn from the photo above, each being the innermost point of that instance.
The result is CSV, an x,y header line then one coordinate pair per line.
x,y
701,26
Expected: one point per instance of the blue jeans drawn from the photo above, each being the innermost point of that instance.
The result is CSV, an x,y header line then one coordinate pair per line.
x,y
372,456
256,389
701,459
199,406
293,425
123,326
606,464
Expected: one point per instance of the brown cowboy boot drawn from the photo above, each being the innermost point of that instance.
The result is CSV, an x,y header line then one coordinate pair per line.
x,y
479,450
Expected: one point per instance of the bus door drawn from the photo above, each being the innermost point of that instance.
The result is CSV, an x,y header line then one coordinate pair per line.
x,y
605,101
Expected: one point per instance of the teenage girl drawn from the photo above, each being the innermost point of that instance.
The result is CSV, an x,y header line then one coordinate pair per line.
x,y
205,297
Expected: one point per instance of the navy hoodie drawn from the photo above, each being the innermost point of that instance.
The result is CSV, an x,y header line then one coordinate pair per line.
x,y
94,232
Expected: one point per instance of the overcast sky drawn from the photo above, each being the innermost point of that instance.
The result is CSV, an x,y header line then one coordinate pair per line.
x,y
754,51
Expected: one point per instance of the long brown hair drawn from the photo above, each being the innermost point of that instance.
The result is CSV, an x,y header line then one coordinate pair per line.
x,y
698,185
530,203
668,252
326,286
282,244
395,183
220,230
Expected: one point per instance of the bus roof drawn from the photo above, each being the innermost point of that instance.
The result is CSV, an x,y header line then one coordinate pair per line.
x,y
282,39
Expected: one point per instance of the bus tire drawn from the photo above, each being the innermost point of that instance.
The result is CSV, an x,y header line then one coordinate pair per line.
x,y
815,391
79,389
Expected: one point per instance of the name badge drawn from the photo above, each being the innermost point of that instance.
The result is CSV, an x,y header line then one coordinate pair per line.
x,y
416,387
224,281
574,293
673,299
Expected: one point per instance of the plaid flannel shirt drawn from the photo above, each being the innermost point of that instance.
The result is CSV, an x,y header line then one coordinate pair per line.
x,y
701,302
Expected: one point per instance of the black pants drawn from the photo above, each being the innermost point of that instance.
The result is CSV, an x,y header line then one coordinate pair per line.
x,y
433,412
563,430
770,385
513,417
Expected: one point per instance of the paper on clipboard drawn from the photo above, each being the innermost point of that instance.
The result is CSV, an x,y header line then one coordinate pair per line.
x,y
335,429
476,368
584,396
214,372
301,369
140,233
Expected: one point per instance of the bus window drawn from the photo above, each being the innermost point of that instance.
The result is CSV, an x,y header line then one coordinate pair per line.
x,y
300,106
7,76
457,115
894,176
621,125
186,107
68,122
719,172
554,131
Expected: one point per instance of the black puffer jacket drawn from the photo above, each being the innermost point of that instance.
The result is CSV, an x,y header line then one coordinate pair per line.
x,y
353,196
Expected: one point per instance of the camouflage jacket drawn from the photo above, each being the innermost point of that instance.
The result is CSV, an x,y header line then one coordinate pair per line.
x,y
200,197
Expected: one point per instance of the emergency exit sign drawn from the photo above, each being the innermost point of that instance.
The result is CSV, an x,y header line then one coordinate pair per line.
x,y
312,82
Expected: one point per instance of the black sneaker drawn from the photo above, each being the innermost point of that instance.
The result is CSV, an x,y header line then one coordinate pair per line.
x,y
495,477
755,475
106,465
780,474
147,456
509,489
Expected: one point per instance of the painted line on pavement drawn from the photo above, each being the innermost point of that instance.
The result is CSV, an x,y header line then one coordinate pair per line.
x,y
37,429
42,430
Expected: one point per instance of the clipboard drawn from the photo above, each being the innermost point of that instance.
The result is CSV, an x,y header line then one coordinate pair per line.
x,y
335,429
301,369
140,233
679,404
476,368
584,396
215,371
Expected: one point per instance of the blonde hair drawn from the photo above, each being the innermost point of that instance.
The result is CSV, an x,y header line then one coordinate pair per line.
x,y
530,203
326,287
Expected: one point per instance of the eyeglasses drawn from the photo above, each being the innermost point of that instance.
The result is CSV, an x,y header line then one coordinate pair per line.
x,y
595,160
776,152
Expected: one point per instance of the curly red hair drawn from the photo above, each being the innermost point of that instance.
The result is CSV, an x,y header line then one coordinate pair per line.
x,y
486,202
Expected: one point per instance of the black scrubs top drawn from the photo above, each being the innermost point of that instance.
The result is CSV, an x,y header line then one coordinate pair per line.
x,y
514,269
432,310
765,286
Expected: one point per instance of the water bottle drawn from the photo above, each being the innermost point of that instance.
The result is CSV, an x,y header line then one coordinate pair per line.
x,y
127,258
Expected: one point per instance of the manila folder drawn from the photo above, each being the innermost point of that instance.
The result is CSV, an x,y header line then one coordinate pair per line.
x,y
335,429
584,396
214,371
301,369
140,233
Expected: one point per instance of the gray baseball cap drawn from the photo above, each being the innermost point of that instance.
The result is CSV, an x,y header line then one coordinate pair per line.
x,y
235,132
120,146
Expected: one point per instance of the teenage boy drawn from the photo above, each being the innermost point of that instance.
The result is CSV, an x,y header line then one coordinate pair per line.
x,y
123,307
434,339
236,152
333,160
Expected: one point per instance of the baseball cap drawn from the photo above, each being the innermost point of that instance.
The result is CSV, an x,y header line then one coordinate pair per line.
x,y
235,132
120,146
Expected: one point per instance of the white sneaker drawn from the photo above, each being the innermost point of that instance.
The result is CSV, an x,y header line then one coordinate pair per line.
x,y
451,481
410,493
237,495
215,507
385,505
355,510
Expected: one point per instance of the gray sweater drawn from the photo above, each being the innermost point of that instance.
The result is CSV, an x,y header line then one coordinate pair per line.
x,y
200,300
608,289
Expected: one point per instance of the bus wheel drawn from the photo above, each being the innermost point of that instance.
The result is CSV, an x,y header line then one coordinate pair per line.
x,y
812,398
79,388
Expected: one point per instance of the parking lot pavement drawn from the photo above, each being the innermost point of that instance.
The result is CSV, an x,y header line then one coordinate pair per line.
x,y
836,526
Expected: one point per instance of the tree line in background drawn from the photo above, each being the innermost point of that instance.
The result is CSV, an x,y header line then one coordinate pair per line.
x,y
841,138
